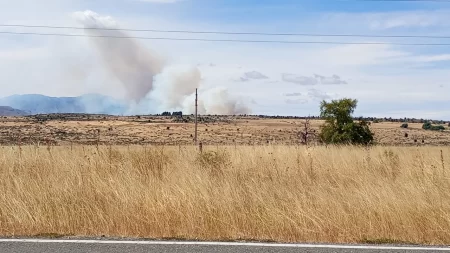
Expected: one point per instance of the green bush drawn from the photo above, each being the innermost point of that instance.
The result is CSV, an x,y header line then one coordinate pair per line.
x,y
404,125
429,126
437,128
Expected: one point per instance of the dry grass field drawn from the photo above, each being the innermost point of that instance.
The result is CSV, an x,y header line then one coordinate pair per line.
x,y
274,193
159,130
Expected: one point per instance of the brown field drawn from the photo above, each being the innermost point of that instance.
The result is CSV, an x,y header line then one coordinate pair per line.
x,y
159,130
274,193
252,182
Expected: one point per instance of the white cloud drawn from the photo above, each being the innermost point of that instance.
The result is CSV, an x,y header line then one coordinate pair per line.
x,y
300,80
251,75
255,75
334,79
293,94
319,95
361,54
92,19
313,80
433,58
296,101
409,19
388,20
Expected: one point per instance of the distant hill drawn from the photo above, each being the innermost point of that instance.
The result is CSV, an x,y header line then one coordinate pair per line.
x,y
40,104
9,111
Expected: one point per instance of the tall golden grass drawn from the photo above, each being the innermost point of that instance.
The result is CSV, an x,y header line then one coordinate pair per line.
x,y
274,193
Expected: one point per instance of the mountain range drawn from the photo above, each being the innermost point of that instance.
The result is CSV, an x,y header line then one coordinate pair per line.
x,y
31,104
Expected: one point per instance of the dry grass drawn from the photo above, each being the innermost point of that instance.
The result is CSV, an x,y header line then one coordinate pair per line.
x,y
154,130
276,193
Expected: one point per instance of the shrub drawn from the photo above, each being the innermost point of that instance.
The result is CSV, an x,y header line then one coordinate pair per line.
x,y
404,125
340,127
426,125
429,126
438,128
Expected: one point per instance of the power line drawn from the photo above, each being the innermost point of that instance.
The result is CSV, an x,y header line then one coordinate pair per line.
x,y
228,40
231,33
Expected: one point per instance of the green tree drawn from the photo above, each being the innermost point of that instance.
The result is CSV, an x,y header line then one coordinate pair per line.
x,y
339,127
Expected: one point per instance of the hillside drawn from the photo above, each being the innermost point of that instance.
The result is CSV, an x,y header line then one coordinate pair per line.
x,y
9,111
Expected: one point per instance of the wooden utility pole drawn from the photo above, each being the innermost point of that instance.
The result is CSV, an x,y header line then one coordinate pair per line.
x,y
196,111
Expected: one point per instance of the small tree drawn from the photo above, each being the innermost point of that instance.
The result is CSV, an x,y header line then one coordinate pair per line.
x,y
307,133
339,127
404,125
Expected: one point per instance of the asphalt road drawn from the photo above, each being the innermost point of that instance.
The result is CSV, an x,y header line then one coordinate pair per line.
x,y
110,246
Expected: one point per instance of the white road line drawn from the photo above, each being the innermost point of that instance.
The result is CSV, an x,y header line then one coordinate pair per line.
x,y
309,246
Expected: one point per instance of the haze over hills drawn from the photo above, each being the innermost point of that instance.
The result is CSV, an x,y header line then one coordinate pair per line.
x,y
40,104
32,104
9,111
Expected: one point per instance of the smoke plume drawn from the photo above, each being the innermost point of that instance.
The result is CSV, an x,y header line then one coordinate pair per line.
x,y
220,101
217,100
132,64
151,85
175,90
175,84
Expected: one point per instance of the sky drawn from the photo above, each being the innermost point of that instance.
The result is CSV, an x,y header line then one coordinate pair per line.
x,y
273,78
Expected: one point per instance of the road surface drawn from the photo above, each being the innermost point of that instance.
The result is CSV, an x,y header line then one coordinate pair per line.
x,y
116,246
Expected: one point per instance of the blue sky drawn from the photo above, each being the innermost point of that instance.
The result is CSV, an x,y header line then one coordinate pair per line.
x,y
388,80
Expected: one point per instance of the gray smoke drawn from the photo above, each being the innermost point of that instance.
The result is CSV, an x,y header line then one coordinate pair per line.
x,y
220,101
131,63
175,90
174,85
217,100
151,85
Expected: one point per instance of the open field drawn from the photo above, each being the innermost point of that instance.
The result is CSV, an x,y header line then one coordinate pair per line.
x,y
222,130
276,193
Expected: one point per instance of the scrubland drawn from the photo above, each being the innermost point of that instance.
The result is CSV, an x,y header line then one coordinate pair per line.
x,y
222,131
268,193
